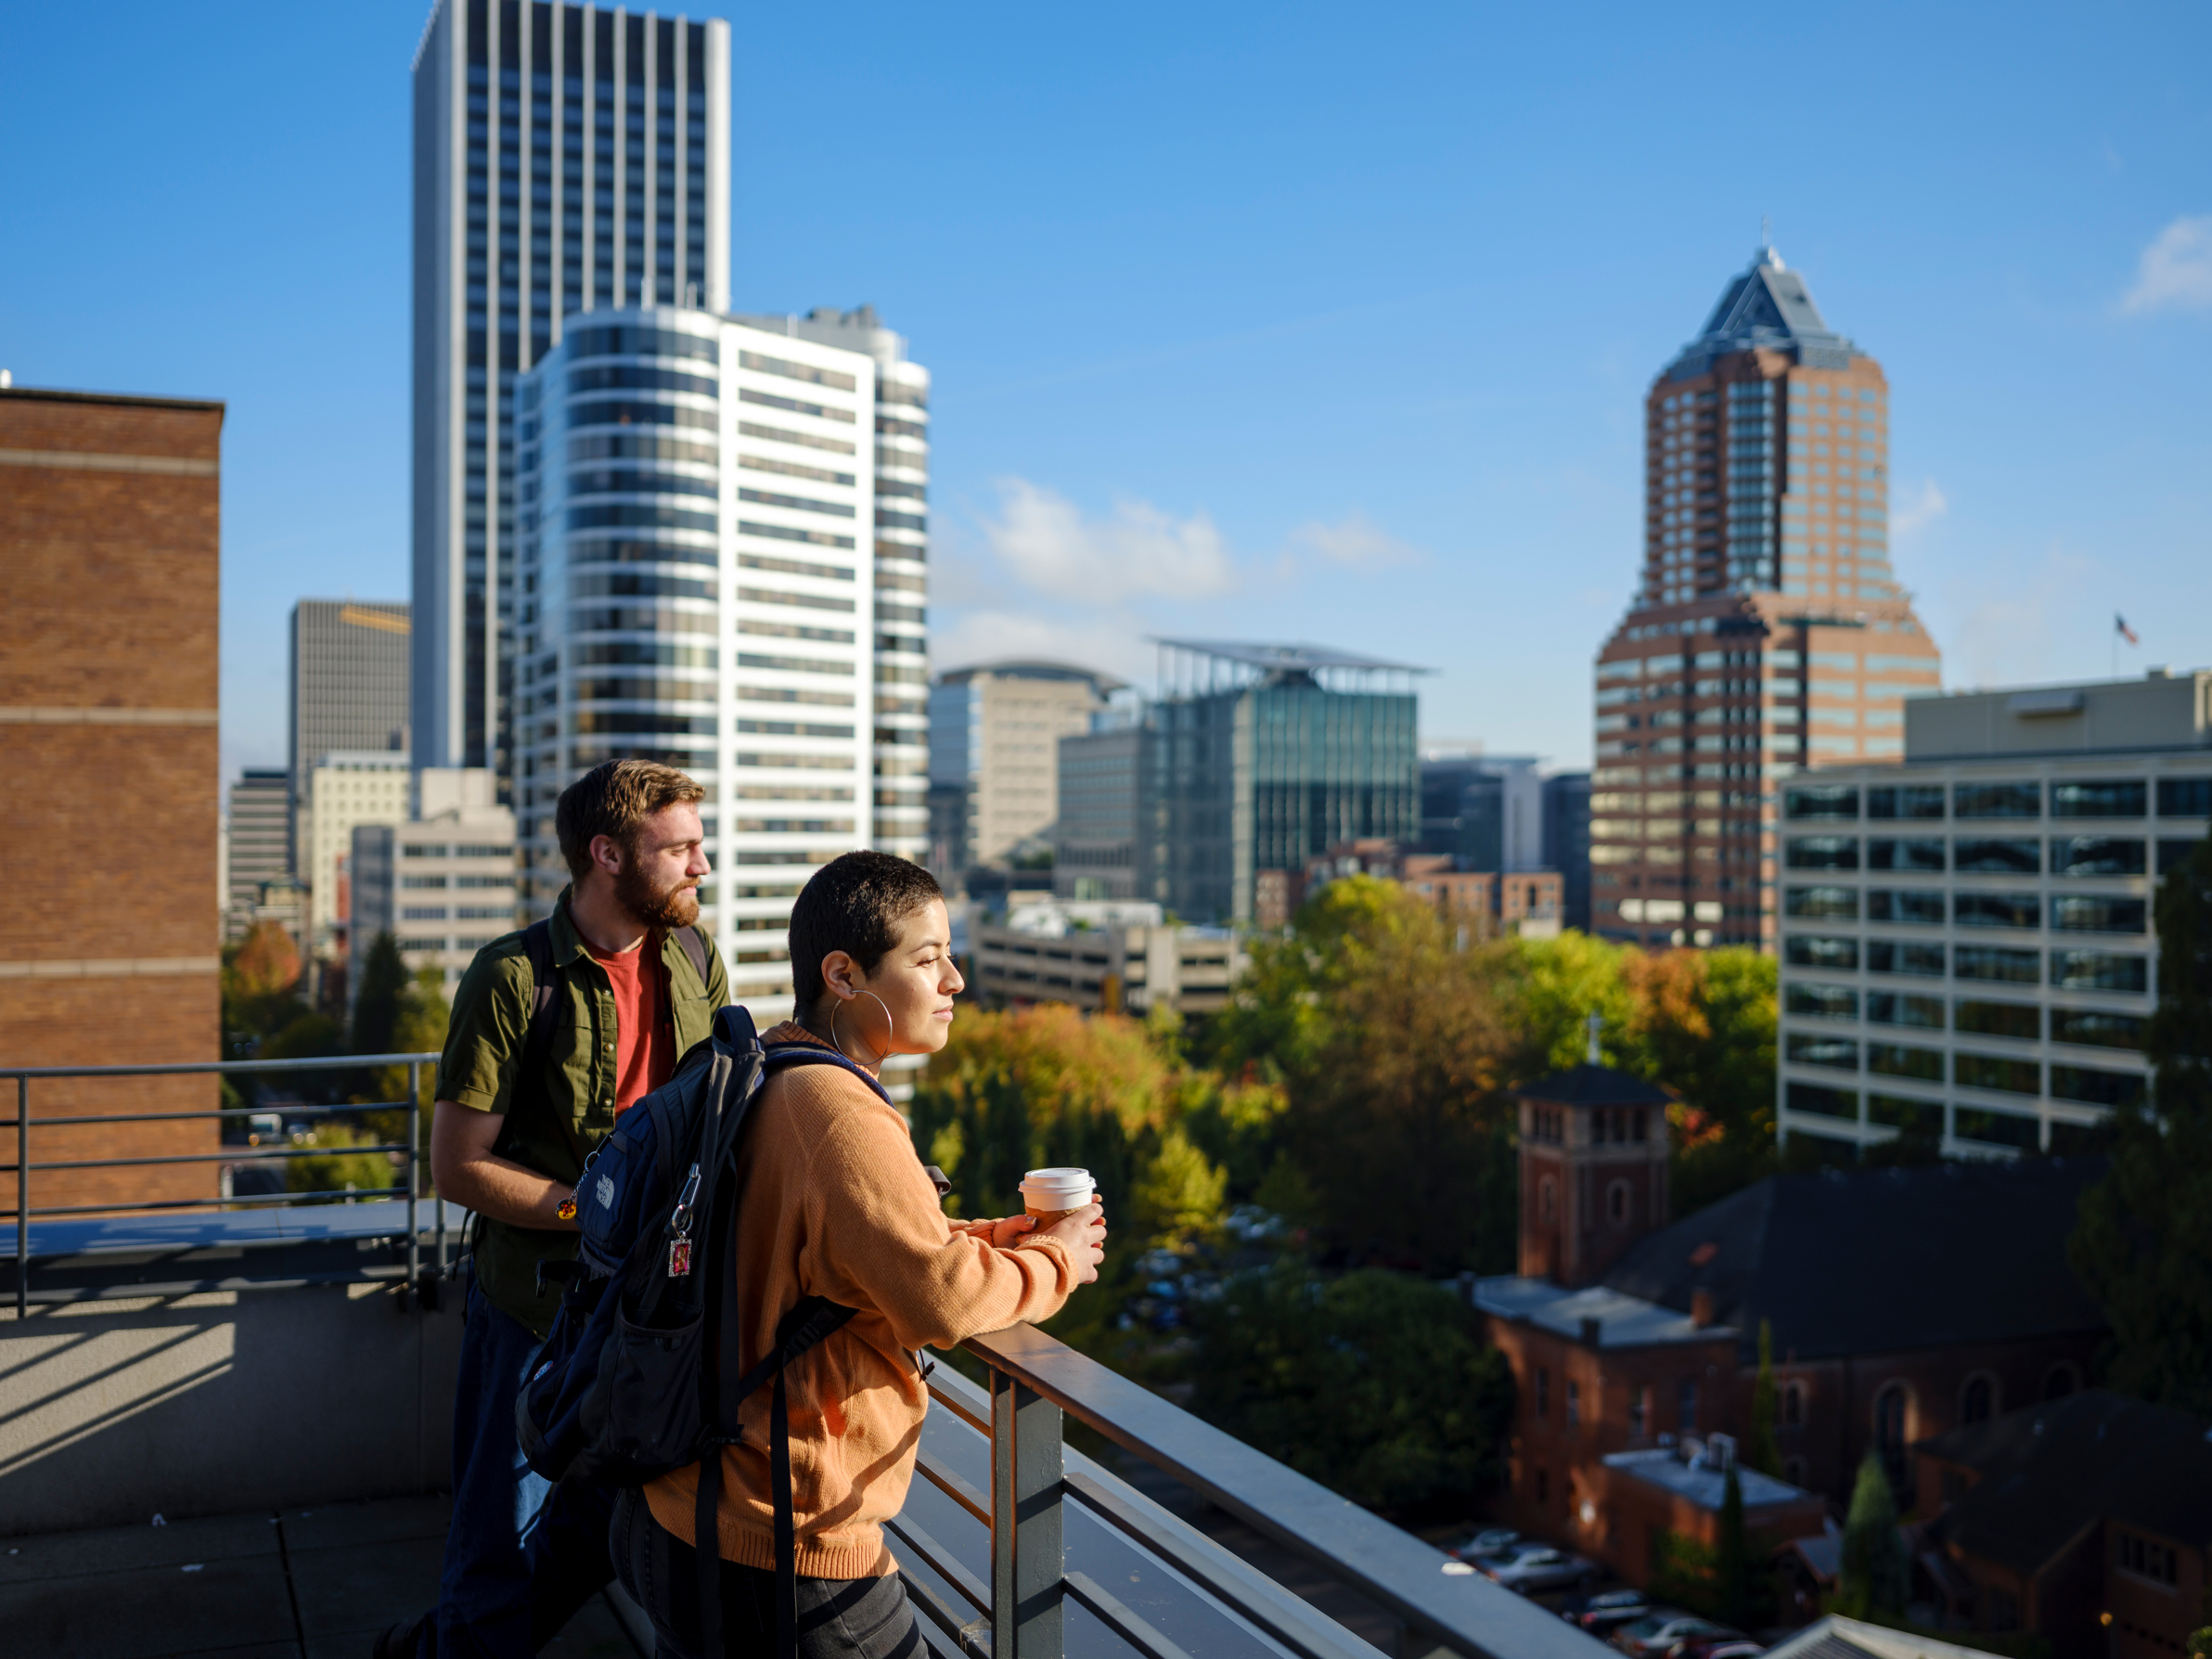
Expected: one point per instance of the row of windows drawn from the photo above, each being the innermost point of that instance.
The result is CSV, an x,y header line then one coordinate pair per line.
x,y
456,850
2104,798
1991,1125
2070,970
2092,1028
2002,1073
2093,913
2022,856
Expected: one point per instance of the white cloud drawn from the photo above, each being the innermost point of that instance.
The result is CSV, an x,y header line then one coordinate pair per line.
x,y
2176,269
993,635
1908,519
1354,540
1051,547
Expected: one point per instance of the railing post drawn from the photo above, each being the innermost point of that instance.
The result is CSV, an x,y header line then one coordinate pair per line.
x,y
414,1185
1028,1565
22,1198
438,1214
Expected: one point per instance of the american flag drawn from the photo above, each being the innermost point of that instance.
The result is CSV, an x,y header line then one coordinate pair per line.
x,y
2121,627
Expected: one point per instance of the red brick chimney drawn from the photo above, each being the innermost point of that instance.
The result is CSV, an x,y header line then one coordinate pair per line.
x,y
1701,1308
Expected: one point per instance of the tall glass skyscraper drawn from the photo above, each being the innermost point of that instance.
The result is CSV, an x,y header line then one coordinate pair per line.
x,y
1768,633
567,158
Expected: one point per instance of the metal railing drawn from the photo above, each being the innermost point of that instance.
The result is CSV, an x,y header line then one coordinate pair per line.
x,y
1035,1482
23,1168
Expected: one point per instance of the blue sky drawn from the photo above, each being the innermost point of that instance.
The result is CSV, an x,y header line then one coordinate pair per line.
x,y
1288,322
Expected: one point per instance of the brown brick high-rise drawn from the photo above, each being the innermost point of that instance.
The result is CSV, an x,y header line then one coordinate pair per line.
x,y
1768,633
108,694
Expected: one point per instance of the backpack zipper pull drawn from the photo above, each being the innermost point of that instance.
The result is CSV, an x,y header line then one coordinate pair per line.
x,y
679,1228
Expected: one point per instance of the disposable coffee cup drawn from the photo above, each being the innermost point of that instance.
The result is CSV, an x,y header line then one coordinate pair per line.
x,y
1052,1194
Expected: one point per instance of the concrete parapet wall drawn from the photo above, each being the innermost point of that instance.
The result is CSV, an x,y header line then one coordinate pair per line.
x,y
111,1413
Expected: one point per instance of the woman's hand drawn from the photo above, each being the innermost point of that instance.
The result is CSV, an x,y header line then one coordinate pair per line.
x,y
1084,1232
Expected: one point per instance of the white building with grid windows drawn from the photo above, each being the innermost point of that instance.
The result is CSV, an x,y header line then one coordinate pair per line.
x,y
1969,950
443,882
700,587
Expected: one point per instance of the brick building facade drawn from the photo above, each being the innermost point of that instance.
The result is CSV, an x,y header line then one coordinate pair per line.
x,y
2086,1521
1902,1304
108,705
1768,634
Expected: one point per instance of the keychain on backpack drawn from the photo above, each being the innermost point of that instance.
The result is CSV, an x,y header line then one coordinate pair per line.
x,y
679,1228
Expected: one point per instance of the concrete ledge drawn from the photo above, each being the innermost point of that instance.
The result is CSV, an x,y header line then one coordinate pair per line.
x,y
112,1412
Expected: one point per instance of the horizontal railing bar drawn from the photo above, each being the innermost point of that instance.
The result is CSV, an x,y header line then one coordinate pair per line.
x,y
1471,1615
940,1561
972,1639
1223,1575
314,1196
1117,1617
323,1062
286,1109
253,1154
953,1404
954,1487
202,1287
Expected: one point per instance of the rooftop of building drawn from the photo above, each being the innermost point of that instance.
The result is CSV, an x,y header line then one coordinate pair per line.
x,y
2046,1471
1876,1261
1703,1480
1616,1321
2159,710
1588,1085
55,395
1285,659
1034,668
1839,1638
1766,308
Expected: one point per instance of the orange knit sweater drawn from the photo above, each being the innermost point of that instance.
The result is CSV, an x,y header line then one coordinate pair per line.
x,y
833,1201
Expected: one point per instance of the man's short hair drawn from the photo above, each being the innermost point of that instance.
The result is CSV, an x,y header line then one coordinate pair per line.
x,y
612,799
855,904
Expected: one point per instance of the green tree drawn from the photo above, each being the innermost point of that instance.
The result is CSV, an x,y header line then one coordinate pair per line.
x,y
1760,1449
1876,1572
1376,1383
379,997
1732,1555
2143,1243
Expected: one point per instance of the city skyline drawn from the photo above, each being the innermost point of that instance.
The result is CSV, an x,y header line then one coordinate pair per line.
x,y
1362,363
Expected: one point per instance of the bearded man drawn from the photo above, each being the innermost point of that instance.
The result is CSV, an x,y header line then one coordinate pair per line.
x,y
529,1083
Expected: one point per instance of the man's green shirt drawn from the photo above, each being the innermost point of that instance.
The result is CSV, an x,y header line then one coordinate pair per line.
x,y
558,1117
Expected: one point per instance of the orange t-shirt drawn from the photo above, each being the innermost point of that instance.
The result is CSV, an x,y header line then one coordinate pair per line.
x,y
644,1029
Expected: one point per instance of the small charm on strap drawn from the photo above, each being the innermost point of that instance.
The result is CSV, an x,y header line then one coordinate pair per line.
x,y
568,1209
680,1257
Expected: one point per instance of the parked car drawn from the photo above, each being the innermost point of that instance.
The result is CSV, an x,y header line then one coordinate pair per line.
x,y
1536,1571
1602,1615
1496,1541
1656,1634
1721,1644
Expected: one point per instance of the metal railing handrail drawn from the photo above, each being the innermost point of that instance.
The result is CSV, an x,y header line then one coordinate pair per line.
x,y
1035,1379
23,1167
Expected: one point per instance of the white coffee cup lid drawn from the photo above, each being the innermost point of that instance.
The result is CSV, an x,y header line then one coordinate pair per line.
x,y
1056,1181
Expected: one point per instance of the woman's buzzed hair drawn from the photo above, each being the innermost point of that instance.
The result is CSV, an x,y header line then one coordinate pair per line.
x,y
855,904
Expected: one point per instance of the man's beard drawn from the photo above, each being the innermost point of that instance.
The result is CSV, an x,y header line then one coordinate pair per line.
x,y
665,909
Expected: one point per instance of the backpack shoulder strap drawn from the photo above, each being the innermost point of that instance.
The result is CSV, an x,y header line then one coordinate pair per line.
x,y
695,950
537,948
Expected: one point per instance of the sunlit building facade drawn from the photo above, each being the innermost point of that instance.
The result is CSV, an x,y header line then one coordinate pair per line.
x,y
699,590
1768,634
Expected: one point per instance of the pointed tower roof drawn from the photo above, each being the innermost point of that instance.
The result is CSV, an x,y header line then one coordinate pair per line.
x,y
1768,307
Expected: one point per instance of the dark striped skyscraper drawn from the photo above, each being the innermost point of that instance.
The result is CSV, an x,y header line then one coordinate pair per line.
x,y
567,158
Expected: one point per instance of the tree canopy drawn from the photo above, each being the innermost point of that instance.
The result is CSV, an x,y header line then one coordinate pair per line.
x,y
2144,1245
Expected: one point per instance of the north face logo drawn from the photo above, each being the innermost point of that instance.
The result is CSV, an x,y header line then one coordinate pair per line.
x,y
606,1191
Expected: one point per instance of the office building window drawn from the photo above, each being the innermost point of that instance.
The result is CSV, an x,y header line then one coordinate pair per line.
x,y
1997,800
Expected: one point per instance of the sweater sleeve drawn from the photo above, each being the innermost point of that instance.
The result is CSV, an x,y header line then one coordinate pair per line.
x,y
879,1238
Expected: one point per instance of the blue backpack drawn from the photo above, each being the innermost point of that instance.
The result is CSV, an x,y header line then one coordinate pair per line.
x,y
640,1374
